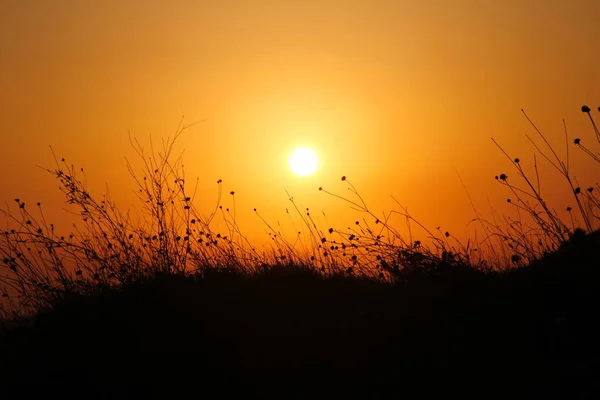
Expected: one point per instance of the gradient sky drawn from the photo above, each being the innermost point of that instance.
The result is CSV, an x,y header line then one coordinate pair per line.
x,y
393,94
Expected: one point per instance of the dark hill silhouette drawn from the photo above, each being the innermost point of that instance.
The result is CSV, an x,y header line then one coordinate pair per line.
x,y
530,332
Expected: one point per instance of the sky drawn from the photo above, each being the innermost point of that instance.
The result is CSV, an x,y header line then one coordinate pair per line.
x,y
402,97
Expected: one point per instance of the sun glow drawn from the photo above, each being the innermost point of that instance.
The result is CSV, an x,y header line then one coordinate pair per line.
x,y
304,161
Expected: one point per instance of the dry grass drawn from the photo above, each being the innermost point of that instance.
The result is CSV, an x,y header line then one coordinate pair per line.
x,y
121,287
109,248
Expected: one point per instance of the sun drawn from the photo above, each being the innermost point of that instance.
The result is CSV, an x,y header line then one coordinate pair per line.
x,y
304,161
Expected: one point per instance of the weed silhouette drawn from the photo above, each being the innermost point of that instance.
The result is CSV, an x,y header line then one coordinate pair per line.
x,y
357,311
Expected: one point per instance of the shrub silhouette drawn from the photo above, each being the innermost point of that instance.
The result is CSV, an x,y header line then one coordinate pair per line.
x,y
364,310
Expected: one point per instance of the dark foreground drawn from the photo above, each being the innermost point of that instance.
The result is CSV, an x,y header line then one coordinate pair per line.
x,y
531,333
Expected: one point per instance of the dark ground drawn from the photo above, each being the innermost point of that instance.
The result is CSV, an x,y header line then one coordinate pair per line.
x,y
530,333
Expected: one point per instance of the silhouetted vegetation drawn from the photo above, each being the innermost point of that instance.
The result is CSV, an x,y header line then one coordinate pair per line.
x,y
166,297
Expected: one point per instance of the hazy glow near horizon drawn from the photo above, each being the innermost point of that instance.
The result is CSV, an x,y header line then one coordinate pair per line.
x,y
304,161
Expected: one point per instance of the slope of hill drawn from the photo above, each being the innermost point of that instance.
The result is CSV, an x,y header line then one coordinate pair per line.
x,y
532,331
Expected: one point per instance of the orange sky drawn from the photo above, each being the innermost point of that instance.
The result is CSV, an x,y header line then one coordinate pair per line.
x,y
393,94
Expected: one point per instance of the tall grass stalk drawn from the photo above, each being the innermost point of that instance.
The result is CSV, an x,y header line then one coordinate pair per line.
x,y
170,235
